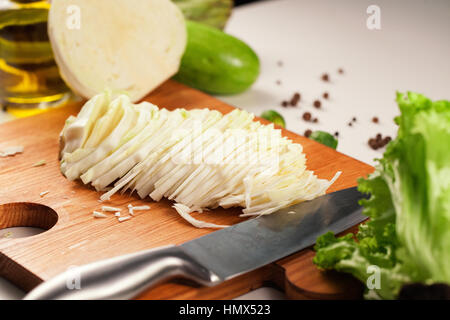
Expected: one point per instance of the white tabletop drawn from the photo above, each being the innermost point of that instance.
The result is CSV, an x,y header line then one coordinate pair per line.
x,y
410,52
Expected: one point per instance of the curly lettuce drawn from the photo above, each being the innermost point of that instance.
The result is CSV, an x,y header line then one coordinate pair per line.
x,y
408,235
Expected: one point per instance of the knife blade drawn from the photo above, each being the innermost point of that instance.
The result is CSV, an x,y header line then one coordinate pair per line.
x,y
252,244
213,258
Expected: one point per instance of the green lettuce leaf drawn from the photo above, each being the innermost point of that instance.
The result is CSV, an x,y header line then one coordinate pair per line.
x,y
408,235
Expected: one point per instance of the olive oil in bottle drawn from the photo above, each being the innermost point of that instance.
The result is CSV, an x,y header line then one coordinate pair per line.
x,y
28,72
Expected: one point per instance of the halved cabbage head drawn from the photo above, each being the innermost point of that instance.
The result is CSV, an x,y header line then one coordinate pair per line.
x,y
122,45
198,158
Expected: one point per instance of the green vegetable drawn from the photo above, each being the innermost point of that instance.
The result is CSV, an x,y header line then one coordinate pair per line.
x,y
408,235
274,117
324,138
216,62
214,13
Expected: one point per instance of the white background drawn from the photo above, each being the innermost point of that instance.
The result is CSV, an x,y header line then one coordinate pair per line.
x,y
410,52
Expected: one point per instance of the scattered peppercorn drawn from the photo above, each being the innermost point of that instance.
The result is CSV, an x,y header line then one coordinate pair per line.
x,y
307,133
354,119
278,82
307,116
325,95
295,99
379,142
349,124
373,144
315,120
336,134
340,71
284,103
317,104
375,120
325,77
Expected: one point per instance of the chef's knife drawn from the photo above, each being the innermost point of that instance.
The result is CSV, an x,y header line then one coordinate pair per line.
x,y
213,258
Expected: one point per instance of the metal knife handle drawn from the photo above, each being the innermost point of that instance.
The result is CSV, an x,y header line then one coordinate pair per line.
x,y
123,277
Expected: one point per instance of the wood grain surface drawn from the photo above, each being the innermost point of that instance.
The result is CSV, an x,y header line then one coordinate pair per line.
x,y
74,237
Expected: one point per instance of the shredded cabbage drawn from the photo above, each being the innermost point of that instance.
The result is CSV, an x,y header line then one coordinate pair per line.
x,y
199,158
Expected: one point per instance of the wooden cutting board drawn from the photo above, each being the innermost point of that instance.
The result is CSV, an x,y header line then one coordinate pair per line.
x,y
74,237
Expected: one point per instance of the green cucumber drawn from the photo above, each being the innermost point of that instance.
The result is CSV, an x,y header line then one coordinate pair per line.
x,y
216,62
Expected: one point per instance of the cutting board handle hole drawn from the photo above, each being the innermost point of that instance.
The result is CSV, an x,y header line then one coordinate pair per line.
x,y
25,214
